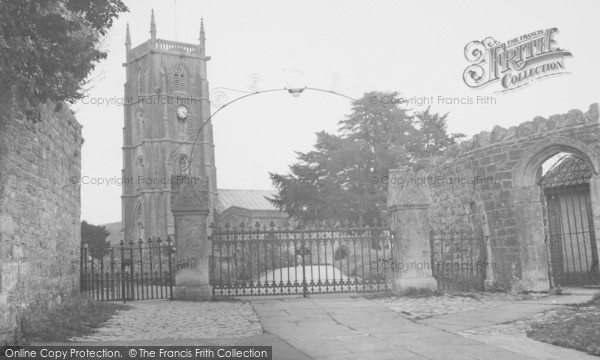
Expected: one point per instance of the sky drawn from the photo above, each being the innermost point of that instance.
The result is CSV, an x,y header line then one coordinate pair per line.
x,y
416,48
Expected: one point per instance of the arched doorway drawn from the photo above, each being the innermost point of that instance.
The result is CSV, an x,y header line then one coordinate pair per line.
x,y
568,220
532,213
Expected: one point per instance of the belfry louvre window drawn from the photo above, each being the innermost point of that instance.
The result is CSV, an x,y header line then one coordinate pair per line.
x,y
179,79
139,82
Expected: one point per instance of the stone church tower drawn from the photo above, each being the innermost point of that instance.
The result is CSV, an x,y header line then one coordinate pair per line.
x,y
166,105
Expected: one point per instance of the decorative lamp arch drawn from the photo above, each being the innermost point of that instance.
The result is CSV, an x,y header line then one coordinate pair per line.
x,y
293,91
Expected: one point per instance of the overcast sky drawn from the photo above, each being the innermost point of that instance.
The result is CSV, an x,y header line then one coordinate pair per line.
x,y
414,47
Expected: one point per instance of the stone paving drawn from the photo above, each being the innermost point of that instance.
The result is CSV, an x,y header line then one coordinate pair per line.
x,y
330,327
419,308
513,334
356,328
162,319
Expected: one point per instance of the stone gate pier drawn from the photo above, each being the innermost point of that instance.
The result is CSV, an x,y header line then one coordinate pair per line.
x,y
408,205
190,205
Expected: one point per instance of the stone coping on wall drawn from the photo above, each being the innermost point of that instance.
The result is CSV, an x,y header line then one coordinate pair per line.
x,y
538,126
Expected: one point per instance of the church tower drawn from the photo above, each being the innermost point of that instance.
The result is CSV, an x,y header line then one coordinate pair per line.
x,y
165,132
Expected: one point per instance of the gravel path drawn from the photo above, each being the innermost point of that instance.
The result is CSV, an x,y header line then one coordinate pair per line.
x,y
162,319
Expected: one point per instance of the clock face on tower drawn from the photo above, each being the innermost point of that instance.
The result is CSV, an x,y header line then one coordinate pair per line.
x,y
182,112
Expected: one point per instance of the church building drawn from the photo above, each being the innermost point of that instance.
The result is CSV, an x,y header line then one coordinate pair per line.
x,y
167,131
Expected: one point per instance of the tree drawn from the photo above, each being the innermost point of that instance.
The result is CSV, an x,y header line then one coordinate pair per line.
x,y
49,47
431,137
343,177
95,237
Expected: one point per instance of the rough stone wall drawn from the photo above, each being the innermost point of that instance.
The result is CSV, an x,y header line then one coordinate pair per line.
x,y
40,231
479,175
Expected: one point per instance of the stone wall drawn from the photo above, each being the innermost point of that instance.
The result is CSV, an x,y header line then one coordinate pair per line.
x,y
495,173
40,229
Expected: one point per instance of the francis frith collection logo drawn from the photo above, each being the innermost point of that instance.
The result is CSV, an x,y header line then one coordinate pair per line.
x,y
516,62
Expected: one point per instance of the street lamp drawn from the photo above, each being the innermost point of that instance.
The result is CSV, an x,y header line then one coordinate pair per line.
x,y
295,87
295,91
295,82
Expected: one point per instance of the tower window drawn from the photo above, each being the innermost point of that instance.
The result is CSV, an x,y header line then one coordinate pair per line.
x,y
139,82
139,221
179,79
139,164
139,115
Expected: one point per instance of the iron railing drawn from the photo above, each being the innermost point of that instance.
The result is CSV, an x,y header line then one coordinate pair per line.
x,y
263,260
128,272
568,216
457,260
571,238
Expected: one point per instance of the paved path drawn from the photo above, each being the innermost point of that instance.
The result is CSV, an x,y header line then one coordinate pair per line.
x,y
325,327
336,327
507,324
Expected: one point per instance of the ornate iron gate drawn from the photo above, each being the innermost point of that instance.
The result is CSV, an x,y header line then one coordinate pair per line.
x,y
570,236
134,272
276,261
458,260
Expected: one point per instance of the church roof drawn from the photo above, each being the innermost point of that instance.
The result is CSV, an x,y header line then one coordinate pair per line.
x,y
247,199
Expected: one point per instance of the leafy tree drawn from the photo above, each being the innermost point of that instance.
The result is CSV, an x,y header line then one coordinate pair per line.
x,y
431,138
95,237
48,47
342,178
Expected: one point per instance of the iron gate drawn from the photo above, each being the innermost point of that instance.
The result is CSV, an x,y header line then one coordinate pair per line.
x,y
457,260
128,272
278,261
570,236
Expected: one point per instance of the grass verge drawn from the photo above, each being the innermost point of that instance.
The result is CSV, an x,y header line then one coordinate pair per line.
x,y
76,316
578,327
